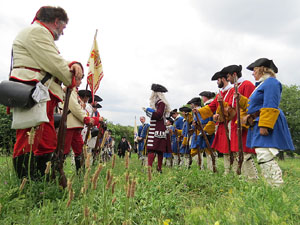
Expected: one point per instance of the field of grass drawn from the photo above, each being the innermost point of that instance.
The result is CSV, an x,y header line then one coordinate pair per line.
x,y
177,196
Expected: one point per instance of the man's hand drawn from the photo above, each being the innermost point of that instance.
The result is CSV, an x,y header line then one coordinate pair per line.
x,y
77,70
219,99
216,117
263,131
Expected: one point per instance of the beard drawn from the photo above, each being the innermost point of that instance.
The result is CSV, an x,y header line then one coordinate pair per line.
x,y
56,34
221,84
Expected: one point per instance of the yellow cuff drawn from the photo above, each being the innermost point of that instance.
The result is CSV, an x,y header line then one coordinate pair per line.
x,y
243,102
194,151
268,117
190,117
184,142
179,132
225,104
210,128
205,112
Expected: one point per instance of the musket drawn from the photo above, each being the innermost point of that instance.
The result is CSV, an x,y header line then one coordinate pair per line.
x,y
58,157
226,129
207,142
239,129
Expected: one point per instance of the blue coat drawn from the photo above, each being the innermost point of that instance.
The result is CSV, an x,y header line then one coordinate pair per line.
x,y
178,124
266,99
185,129
142,132
199,141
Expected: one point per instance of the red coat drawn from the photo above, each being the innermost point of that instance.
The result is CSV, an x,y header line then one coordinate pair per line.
x,y
157,137
245,88
220,141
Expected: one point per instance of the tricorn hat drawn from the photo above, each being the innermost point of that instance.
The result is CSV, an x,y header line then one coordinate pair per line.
x,y
263,62
207,94
98,106
84,93
231,69
185,109
170,119
218,75
173,112
158,88
96,99
196,101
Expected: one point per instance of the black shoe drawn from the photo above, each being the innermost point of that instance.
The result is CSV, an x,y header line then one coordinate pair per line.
x,y
78,163
22,163
41,163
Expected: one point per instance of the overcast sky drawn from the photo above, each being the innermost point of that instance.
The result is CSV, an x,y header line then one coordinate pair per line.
x,y
177,43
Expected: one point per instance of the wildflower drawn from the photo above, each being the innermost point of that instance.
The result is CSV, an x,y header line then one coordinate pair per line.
x,y
85,151
88,160
86,212
86,178
128,189
31,135
149,173
127,177
113,187
132,188
167,222
96,176
23,184
217,223
113,162
69,185
71,196
47,170
107,175
113,201
109,182
126,160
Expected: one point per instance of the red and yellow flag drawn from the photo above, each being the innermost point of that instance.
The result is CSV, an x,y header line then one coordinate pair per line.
x,y
95,74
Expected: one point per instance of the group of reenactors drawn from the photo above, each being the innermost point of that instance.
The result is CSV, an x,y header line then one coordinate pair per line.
x,y
239,122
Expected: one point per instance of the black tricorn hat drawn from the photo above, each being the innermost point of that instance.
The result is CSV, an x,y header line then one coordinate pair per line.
x,y
96,99
84,93
185,109
173,111
170,119
196,101
218,75
98,106
263,62
207,94
231,69
158,88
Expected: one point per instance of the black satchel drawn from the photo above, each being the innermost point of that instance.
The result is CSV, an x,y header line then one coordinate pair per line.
x,y
17,94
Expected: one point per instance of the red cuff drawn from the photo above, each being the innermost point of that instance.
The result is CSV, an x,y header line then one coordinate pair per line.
x,y
86,120
75,62
96,121
73,84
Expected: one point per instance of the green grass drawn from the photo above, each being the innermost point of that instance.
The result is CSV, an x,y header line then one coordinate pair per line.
x,y
178,196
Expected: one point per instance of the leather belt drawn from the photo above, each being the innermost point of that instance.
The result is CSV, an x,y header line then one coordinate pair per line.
x,y
56,80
